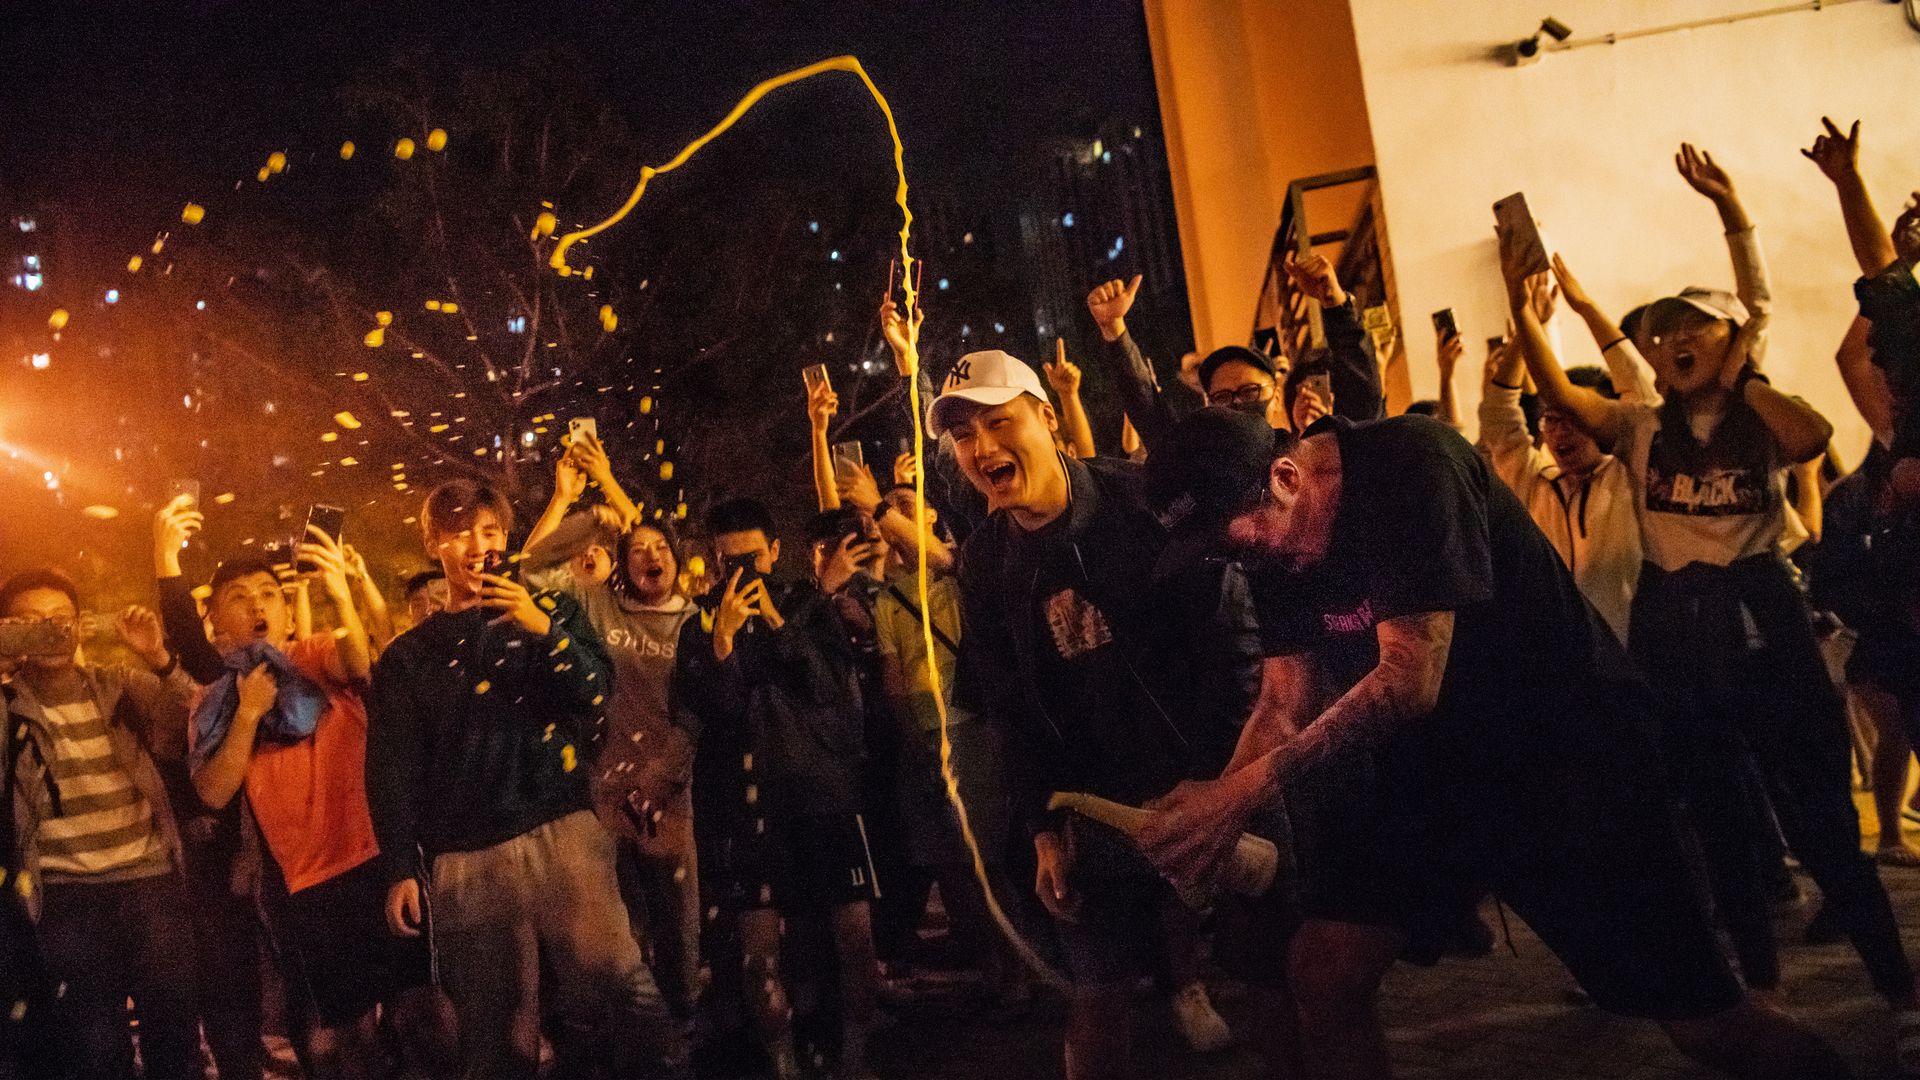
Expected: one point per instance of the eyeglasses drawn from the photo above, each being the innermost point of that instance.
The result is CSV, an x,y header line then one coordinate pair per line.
x,y
1250,394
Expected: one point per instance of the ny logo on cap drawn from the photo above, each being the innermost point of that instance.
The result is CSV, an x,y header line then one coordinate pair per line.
x,y
961,372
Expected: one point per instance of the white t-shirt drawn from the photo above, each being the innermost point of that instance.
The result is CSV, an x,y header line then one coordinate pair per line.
x,y
1715,502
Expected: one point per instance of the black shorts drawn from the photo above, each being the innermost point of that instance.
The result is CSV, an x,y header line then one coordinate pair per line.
x,y
811,863
335,951
1584,846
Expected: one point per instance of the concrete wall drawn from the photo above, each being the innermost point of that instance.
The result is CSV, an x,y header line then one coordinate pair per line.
x,y
1253,95
1589,135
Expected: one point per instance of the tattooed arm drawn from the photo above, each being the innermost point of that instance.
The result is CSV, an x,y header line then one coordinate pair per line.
x,y
1201,821
1282,709
1402,688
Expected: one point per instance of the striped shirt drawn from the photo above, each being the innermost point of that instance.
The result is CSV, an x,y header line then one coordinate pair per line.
x,y
105,825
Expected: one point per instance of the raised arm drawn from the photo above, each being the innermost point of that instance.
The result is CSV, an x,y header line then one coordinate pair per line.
x,y
352,660
1866,383
591,455
378,619
1358,393
1838,156
1751,283
1528,298
1064,376
1140,398
186,633
569,483
822,403
859,489
1450,352
1629,372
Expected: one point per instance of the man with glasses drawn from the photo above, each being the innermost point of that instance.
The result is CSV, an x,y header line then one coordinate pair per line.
x,y
100,864
1342,378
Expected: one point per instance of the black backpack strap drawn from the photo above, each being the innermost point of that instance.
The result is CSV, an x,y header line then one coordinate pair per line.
x,y
914,610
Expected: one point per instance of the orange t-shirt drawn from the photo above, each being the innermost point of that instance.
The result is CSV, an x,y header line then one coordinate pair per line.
x,y
310,797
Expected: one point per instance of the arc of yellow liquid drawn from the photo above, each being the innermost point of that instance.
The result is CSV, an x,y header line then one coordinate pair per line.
x,y
558,261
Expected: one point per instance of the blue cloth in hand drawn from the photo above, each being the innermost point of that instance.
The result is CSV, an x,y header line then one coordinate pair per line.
x,y
296,706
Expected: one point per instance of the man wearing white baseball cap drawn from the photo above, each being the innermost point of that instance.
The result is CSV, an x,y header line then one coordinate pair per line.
x,y
1108,679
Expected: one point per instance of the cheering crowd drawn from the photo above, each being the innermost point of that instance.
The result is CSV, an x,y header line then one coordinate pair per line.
x,y
595,796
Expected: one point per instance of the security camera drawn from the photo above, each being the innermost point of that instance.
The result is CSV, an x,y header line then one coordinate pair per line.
x,y
1529,49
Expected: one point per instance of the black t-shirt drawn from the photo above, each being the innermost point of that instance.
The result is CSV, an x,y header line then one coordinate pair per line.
x,y
1423,526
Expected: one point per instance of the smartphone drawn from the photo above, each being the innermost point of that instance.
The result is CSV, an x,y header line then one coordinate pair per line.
x,y
1520,234
851,452
329,520
1445,325
816,376
579,425
497,564
747,565
36,637
1494,343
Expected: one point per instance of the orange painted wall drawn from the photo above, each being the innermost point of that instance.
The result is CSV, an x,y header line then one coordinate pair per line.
x,y
1253,95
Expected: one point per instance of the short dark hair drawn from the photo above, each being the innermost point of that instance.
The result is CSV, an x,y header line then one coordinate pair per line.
x,y
420,581
44,577
1594,378
453,505
623,547
238,567
1312,362
828,526
1424,407
738,516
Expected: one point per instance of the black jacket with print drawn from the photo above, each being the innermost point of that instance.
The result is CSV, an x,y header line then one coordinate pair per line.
x,y
1107,680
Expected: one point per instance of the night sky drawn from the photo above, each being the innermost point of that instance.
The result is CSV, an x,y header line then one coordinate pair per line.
x,y
120,112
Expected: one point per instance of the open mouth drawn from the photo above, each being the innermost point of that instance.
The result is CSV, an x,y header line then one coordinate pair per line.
x,y
259,628
654,573
1001,475
1683,363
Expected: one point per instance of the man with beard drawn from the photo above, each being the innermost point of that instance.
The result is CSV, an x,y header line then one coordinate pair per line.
x,y
1442,715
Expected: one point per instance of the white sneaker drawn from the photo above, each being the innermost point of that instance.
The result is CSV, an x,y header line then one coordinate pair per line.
x,y
1202,1027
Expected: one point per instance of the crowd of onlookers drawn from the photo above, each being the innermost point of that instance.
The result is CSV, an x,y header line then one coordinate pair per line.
x,y
594,796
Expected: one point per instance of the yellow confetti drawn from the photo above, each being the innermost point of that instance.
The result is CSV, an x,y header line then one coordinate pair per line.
x,y
680,511
568,759
587,273
346,420
608,320
277,161
201,592
159,243
264,173
192,214
18,1012
666,470
646,405
482,686
133,265
403,149
224,498
437,428
543,225
433,305
449,308
101,512
346,150
58,320
696,565
376,337
329,436
359,376
349,461
437,140
384,318
24,884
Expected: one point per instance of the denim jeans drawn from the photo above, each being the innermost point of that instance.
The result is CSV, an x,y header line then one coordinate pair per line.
x,y
547,901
